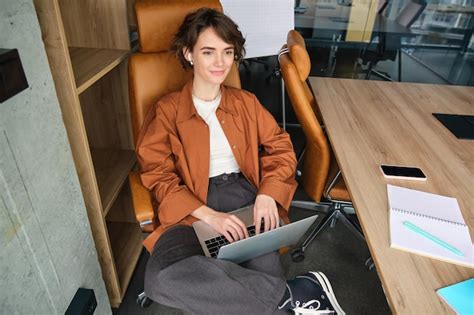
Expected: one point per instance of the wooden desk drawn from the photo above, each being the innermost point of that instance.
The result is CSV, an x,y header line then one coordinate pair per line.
x,y
370,123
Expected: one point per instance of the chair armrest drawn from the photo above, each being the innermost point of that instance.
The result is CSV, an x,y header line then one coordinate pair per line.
x,y
142,203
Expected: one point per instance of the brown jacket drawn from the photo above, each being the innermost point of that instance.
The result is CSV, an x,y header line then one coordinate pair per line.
x,y
173,153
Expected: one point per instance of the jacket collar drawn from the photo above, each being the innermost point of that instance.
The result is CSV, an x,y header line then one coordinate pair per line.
x,y
186,108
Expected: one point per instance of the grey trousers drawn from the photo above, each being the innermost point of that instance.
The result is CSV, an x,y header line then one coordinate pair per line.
x,y
180,276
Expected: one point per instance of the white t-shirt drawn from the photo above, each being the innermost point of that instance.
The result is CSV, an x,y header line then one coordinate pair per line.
x,y
222,159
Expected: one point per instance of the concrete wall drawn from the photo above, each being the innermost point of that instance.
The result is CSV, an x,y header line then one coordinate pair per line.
x,y
46,246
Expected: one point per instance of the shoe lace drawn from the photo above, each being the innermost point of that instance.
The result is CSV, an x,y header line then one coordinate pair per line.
x,y
309,308
284,304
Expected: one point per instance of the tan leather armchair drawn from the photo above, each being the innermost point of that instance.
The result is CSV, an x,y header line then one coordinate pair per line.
x,y
154,72
321,176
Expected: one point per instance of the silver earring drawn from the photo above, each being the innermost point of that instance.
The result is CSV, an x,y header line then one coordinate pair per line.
x,y
191,62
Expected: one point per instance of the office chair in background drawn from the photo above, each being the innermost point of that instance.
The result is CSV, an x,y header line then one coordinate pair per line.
x,y
153,72
370,57
321,176
381,6
410,12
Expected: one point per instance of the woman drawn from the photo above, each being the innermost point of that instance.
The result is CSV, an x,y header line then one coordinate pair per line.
x,y
199,153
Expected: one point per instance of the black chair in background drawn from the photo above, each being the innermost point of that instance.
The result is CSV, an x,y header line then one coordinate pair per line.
x,y
371,56
382,4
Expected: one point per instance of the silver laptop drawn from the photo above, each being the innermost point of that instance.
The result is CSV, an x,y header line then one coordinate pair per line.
x,y
216,245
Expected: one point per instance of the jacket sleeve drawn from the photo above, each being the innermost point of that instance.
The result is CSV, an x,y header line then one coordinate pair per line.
x,y
158,171
277,161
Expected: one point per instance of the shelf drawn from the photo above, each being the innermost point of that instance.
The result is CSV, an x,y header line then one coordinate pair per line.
x,y
122,209
91,64
126,240
111,168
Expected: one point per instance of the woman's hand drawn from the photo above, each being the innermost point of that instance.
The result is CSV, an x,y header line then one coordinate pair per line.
x,y
265,208
226,224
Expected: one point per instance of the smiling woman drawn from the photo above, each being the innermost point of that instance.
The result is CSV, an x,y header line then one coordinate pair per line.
x,y
195,24
212,59
209,42
199,153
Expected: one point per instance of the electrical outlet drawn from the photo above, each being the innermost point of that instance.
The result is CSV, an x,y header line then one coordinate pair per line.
x,y
83,303
12,76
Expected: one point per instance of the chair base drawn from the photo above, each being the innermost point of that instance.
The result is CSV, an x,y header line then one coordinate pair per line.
x,y
380,74
335,211
323,206
371,70
143,301
369,263
311,205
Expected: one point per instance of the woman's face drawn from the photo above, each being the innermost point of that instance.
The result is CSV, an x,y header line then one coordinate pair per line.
x,y
212,58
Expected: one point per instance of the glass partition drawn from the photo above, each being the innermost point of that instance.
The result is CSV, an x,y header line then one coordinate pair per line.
x,y
399,40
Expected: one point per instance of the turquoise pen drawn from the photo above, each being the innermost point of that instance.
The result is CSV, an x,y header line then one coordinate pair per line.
x,y
431,237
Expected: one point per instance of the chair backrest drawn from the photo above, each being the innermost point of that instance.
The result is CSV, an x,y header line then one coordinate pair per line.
x,y
410,12
153,71
295,67
381,5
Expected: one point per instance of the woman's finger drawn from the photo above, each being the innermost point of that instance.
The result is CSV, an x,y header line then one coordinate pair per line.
x,y
258,223
238,229
228,236
241,226
266,220
277,220
233,231
272,221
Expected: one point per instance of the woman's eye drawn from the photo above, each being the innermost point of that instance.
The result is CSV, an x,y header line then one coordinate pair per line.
x,y
207,52
229,52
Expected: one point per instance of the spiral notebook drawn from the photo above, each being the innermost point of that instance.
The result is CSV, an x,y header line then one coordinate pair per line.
x,y
420,221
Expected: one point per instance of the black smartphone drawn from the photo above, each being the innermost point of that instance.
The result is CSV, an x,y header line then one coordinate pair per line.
x,y
402,172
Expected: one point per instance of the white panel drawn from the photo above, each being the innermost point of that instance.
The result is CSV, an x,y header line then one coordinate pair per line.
x,y
264,23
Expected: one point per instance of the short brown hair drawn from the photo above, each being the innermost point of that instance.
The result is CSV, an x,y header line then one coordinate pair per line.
x,y
198,21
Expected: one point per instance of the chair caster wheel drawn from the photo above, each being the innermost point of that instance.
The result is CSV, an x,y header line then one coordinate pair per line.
x,y
143,300
297,255
369,263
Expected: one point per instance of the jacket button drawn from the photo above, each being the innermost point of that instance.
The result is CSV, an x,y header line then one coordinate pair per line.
x,y
224,177
222,122
234,146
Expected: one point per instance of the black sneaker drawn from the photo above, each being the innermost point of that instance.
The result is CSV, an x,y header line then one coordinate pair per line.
x,y
311,293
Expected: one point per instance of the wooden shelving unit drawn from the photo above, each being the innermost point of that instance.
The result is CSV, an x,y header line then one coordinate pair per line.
x,y
126,245
91,64
87,43
111,169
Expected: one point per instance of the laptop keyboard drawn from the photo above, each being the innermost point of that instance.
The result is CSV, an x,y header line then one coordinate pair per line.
x,y
214,244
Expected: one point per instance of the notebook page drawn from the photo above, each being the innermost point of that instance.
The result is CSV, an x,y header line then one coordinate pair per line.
x,y
425,203
455,232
